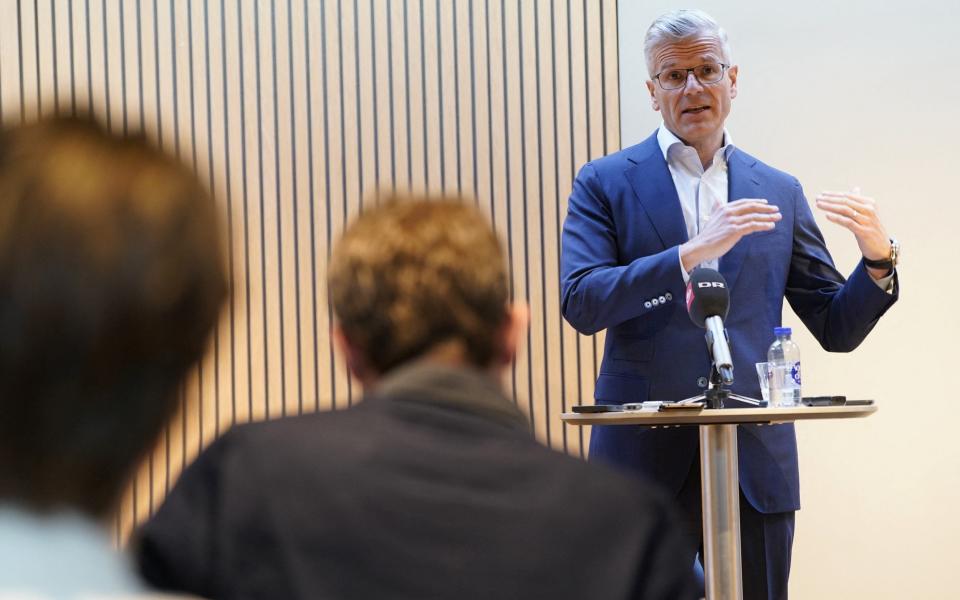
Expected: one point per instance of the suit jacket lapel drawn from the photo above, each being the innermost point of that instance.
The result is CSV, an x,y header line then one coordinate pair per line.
x,y
742,183
650,179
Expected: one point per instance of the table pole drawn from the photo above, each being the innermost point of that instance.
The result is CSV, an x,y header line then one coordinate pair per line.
x,y
719,479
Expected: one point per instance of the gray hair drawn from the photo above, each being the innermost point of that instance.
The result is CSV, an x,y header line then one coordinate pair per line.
x,y
682,25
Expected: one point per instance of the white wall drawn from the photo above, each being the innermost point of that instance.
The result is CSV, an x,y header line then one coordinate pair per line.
x,y
844,94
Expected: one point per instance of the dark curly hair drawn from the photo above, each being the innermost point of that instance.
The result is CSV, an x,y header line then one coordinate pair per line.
x,y
415,272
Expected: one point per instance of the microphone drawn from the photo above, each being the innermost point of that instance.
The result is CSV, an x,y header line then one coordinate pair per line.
x,y
708,301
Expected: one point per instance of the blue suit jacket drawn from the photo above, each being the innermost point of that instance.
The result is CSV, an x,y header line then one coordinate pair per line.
x,y
620,248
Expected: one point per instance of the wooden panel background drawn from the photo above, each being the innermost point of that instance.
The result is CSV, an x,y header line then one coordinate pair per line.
x,y
293,112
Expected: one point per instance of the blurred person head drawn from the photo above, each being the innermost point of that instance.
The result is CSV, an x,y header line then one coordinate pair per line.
x,y
692,79
111,278
419,278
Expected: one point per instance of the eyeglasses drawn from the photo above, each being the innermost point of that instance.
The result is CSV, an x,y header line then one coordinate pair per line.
x,y
706,74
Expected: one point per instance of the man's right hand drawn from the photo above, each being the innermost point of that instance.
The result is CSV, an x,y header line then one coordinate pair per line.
x,y
726,227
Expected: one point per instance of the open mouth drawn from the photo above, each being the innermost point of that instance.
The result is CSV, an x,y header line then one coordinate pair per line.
x,y
695,110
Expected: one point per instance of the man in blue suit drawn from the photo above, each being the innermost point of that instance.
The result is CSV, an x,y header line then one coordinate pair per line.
x,y
641,219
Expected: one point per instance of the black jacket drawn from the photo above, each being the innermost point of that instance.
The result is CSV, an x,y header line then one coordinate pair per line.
x,y
430,488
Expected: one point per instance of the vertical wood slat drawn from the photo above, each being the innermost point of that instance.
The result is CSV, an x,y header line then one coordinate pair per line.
x,y
293,112
344,48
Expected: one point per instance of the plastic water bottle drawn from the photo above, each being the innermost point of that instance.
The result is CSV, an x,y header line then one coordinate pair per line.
x,y
784,359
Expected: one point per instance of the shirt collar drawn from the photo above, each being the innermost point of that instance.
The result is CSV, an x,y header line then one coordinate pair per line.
x,y
668,140
463,388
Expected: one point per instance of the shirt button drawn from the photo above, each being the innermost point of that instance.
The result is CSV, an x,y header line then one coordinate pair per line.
x,y
648,304
701,382
669,296
663,299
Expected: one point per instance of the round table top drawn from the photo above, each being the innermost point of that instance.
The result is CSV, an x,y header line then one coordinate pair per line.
x,y
713,416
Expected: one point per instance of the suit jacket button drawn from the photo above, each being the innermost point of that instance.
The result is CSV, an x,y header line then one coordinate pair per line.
x,y
669,296
655,302
663,299
701,382
648,304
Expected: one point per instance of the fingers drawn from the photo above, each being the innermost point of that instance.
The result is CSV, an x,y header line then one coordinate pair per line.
x,y
751,214
729,224
750,205
765,217
855,196
853,207
755,225
857,214
860,204
741,217
848,222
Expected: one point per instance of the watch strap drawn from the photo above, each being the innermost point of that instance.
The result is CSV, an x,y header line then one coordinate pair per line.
x,y
889,263
886,263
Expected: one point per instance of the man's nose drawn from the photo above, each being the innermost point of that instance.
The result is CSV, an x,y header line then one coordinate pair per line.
x,y
692,84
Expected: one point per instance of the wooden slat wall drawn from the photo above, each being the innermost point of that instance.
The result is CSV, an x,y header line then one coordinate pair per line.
x,y
293,112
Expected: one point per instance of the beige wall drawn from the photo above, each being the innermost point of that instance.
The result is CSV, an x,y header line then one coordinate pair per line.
x,y
842,94
293,111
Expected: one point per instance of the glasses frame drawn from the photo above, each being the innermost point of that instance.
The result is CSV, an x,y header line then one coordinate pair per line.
x,y
723,70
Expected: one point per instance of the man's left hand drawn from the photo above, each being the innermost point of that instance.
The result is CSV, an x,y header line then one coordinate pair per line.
x,y
859,214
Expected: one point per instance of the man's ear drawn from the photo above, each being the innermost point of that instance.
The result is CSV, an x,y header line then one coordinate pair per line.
x,y
356,363
511,332
732,74
653,97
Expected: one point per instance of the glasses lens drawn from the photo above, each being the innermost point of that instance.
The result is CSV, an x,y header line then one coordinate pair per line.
x,y
671,80
709,72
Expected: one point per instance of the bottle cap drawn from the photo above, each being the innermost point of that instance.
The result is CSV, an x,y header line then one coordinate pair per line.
x,y
782,331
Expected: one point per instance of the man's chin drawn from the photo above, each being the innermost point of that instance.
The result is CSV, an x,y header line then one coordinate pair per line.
x,y
691,133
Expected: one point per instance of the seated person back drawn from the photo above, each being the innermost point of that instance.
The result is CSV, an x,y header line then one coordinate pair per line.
x,y
432,486
110,280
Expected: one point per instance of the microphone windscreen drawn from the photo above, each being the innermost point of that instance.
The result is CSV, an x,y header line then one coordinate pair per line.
x,y
707,296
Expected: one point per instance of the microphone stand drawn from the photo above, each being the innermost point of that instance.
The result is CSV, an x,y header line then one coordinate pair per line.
x,y
716,396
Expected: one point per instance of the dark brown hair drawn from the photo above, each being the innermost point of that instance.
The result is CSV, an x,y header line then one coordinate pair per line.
x,y
111,278
415,272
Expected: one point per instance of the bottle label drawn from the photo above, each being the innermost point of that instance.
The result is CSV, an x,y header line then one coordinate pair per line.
x,y
795,372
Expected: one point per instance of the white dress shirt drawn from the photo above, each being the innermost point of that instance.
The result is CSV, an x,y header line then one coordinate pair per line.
x,y
701,192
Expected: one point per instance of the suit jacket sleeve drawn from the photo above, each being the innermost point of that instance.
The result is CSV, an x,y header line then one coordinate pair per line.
x,y
838,313
597,290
